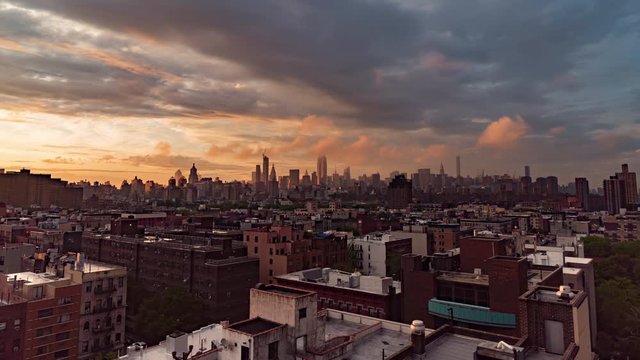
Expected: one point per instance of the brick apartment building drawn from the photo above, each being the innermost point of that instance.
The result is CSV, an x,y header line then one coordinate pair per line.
x,y
103,311
21,188
622,228
220,274
485,298
379,253
282,250
13,313
355,293
52,314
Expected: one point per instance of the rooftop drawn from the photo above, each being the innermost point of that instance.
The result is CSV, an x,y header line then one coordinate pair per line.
x,y
346,280
283,290
254,326
467,278
452,347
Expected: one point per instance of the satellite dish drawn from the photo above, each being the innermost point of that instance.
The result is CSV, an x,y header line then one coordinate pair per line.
x,y
223,342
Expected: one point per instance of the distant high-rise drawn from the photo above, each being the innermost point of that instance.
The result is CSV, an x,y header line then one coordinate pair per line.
x,y
258,174
443,180
630,187
614,194
582,192
193,175
425,178
346,177
399,193
527,171
265,170
294,177
458,167
322,170
273,182
552,185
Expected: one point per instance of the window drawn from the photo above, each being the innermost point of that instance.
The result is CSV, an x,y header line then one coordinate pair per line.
x,y
3,326
37,292
270,261
45,312
88,287
270,251
118,337
255,239
87,307
273,351
121,282
270,272
63,336
65,300
41,350
302,313
16,324
120,300
86,326
247,238
43,331
85,346
64,318
255,250
61,354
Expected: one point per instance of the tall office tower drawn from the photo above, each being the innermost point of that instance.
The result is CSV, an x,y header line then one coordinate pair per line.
x,y
526,187
614,194
346,177
375,180
415,181
443,180
552,185
527,171
630,187
582,192
399,192
458,167
294,177
273,182
258,174
265,171
425,178
322,170
193,175
314,178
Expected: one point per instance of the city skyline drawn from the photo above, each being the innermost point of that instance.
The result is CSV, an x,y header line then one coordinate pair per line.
x,y
120,96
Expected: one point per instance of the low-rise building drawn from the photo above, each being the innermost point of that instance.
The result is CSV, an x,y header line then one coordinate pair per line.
x,y
375,296
379,253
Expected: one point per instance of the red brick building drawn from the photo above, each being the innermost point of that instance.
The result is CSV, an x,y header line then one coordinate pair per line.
x,y
21,188
359,294
12,324
52,311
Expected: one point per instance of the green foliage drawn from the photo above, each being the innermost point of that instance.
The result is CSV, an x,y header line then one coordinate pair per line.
x,y
164,313
596,246
618,299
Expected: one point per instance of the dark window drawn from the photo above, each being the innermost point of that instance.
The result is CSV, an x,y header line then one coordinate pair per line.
x,y
255,250
43,331
45,312
86,326
256,239
63,336
302,313
61,354
273,351
244,353
41,350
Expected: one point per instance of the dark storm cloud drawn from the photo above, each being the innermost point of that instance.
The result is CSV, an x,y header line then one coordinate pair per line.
x,y
376,57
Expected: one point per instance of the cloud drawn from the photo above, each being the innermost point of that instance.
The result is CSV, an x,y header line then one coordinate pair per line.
x,y
163,148
503,133
60,160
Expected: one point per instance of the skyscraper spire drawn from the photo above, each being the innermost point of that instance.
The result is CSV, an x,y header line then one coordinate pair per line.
x,y
273,173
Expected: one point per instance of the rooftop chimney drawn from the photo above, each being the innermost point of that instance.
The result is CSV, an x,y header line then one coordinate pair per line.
x,y
418,341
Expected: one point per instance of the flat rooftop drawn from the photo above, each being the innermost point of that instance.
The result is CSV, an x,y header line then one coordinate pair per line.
x,y
33,278
254,326
283,290
466,278
341,279
94,267
452,347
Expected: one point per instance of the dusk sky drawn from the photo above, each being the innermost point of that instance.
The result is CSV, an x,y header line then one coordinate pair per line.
x,y
109,89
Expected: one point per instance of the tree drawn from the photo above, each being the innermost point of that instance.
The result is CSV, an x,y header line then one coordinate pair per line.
x,y
171,310
596,246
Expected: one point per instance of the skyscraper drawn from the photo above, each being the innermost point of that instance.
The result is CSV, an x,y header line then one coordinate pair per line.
x,y
425,178
630,187
258,174
193,175
294,177
582,192
614,194
265,171
322,170
399,192
458,167
527,171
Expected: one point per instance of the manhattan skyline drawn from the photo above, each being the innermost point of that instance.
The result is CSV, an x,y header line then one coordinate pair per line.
x,y
107,91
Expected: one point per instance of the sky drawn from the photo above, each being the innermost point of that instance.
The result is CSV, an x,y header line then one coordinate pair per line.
x,y
112,89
